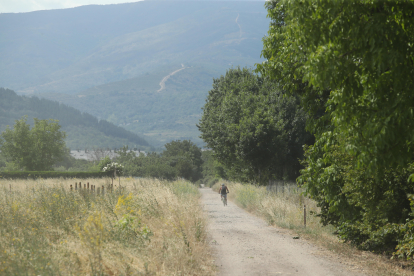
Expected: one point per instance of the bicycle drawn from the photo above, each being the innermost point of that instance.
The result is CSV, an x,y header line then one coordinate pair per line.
x,y
224,199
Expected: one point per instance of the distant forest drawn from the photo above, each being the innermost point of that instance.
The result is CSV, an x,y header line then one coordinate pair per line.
x,y
83,130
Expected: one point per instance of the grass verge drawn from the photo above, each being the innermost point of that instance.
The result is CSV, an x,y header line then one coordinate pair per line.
x,y
285,208
147,227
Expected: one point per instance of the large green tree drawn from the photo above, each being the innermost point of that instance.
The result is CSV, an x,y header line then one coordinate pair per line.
x,y
253,128
185,157
33,149
362,52
352,63
179,159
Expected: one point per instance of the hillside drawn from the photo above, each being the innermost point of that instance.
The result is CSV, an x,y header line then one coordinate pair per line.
x,y
109,60
83,130
135,104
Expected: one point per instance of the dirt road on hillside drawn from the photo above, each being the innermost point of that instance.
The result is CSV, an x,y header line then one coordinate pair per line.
x,y
246,245
162,83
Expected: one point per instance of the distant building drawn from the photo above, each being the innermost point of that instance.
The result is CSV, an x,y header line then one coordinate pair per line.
x,y
98,154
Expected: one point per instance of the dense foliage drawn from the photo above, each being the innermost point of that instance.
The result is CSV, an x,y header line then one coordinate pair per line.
x,y
212,170
35,149
180,159
352,63
254,129
362,52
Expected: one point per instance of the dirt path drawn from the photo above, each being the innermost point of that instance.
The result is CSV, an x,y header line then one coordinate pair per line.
x,y
162,83
238,24
246,245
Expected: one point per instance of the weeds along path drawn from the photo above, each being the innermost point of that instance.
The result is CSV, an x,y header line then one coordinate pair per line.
x,y
246,245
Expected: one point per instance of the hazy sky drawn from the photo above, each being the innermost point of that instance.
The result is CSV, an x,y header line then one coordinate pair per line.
x,y
7,6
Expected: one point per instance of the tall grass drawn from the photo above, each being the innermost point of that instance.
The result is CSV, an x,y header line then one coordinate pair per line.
x,y
283,207
147,227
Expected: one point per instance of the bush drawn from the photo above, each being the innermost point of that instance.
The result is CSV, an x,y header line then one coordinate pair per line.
x,y
372,213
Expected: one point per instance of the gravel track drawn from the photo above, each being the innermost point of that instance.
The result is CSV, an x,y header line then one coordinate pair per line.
x,y
245,245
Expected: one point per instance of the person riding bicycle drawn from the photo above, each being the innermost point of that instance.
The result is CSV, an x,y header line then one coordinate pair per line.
x,y
224,191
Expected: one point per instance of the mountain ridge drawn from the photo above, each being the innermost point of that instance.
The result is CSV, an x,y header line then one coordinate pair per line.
x,y
109,60
83,130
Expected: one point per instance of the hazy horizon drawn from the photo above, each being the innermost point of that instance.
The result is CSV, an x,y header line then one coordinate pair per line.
x,y
24,6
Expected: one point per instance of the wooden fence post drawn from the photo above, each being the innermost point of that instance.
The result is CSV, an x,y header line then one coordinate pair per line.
x,y
304,215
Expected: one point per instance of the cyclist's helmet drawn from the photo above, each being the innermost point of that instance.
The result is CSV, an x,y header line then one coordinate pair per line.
x,y
222,184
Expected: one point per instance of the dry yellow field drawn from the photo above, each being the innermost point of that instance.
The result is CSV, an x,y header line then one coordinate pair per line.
x,y
144,227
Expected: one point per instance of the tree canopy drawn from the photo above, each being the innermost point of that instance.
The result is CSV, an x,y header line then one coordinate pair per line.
x,y
179,159
253,128
352,65
185,157
362,52
36,149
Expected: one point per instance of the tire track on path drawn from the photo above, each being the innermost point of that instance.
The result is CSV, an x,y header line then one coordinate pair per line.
x,y
246,245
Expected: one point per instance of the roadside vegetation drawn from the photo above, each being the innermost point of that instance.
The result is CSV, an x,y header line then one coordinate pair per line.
x,y
143,227
255,129
43,148
180,159
283,206
358,94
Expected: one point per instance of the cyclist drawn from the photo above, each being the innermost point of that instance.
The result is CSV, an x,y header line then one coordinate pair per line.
x,y
224,191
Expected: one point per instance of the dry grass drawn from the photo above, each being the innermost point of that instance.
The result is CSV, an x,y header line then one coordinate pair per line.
x,y
148,227
285,209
